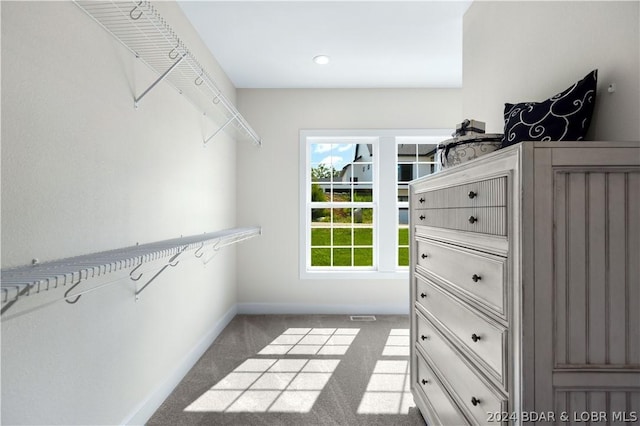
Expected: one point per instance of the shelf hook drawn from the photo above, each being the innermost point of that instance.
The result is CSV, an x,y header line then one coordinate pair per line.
x,y
197,251
133,10
133,270
175,49
215,252
66,293
198,81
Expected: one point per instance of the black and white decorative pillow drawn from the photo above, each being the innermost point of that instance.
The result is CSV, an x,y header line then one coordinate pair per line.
x,y
565,116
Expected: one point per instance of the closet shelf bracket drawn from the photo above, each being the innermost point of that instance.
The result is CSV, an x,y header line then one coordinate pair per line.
x,y
140,28
172,262
162,77
221,128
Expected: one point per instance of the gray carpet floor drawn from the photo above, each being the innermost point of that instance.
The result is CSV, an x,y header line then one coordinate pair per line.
x,y
299,370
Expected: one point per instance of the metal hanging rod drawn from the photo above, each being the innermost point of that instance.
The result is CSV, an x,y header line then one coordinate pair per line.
x,y
69,273
142,30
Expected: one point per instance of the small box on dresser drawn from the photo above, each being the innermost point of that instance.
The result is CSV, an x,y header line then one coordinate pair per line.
x,y
525,285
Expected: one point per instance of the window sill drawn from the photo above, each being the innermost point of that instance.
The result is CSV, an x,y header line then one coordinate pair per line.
x,y
354,275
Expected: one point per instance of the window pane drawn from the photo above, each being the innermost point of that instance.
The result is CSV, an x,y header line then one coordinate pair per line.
x,y
363,236
342,236
322,172
403,216
405,172
320,257
362,172
403,256
341,192
341,216
425,169
363,257
346,174
319,192
426,152
320,215
403,192
330,161
363,215
415,160
315,173
342,257
362,193
320,237
406,150
403,236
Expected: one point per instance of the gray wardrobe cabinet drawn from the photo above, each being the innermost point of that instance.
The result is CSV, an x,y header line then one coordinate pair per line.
x,y
525,286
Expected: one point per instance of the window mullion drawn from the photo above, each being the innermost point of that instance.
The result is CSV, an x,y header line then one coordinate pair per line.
x,y
386,224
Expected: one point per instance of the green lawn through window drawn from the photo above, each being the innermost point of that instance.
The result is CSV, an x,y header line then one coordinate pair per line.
x,y
351,246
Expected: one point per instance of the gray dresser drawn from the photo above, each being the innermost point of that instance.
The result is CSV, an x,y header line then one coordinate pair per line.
x,y
525,286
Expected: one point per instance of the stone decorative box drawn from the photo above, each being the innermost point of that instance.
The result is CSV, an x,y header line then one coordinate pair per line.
x,y
472,145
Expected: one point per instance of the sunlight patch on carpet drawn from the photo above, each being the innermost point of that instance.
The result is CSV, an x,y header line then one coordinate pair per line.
x,y
268,385
312,341
397,343
388,390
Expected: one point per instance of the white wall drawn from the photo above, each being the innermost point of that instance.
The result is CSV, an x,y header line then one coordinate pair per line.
x,y
82,171
268,179
529,51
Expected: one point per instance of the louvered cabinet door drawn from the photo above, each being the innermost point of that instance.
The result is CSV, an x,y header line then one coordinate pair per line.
x,y
586,246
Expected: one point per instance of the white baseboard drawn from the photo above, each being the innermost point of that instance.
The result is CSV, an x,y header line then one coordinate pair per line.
x,y
146,408
310,309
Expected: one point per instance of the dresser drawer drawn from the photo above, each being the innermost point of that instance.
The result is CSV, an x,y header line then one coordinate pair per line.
x,y
477,275
486,220
442,410
485,338
486,193
475,396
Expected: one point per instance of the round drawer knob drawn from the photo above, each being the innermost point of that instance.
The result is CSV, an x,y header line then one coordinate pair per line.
x,y
424,382
423,295
475,337
472,194
424,255
473,219
423,337
476,278
421,200
475,401
422,217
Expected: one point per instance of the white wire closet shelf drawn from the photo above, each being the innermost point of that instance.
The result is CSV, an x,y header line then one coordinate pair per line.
x,y
140,28
67,273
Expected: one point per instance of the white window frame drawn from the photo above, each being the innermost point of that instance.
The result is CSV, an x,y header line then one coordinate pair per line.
x,y
385,237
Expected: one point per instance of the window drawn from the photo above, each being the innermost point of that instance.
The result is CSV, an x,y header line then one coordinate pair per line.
x,y
342,205
354,199
415,159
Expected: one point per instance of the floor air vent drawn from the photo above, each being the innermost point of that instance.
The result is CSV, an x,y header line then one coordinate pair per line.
x,y
362,318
